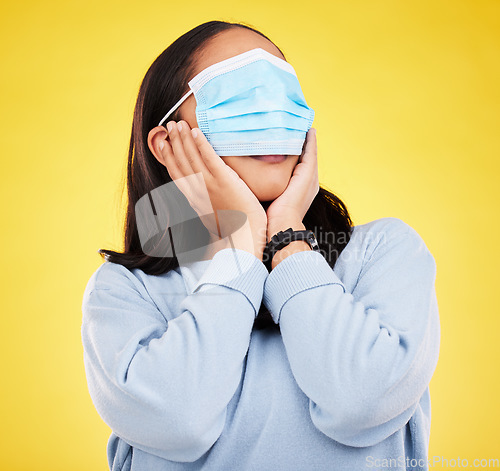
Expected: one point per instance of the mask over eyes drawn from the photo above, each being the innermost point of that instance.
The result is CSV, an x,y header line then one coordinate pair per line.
x,y
250,104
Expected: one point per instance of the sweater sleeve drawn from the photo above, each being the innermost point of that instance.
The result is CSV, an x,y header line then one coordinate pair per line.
x,y
163,386
365,358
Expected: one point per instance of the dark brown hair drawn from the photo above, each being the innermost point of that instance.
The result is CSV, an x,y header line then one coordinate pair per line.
x,y
164,83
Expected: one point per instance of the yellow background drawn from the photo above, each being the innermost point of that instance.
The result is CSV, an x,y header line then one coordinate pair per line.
x,y
406,96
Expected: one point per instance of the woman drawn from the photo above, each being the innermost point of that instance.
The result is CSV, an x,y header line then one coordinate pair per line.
x,y
304,361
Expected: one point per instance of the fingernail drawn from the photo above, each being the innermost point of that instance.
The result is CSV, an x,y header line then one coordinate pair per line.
x,y
179,126
194,132
170,126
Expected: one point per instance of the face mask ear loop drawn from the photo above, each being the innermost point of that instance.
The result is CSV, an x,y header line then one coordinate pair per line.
x,y
179,103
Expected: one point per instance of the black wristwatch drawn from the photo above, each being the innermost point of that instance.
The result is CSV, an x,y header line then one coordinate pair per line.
x,y
283,238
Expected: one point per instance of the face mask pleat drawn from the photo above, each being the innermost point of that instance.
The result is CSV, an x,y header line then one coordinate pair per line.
x,y
253,136
262,101
254,121
282,147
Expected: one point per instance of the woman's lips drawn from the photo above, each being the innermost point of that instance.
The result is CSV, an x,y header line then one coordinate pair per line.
x,y
269,158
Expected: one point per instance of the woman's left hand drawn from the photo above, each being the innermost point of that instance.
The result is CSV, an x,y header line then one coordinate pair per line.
x,y
292,205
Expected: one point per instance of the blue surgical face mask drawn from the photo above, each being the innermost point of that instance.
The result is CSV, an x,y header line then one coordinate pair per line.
x,y
250,104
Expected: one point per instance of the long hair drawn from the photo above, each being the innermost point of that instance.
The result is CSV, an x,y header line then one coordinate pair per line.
x,y
165,81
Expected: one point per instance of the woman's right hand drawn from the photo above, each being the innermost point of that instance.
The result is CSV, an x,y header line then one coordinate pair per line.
x,y
194,165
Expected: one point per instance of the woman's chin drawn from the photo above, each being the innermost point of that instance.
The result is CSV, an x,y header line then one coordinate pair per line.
x,y
267,195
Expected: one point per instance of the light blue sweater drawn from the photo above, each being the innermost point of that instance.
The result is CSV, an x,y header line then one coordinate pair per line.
x,y
176,371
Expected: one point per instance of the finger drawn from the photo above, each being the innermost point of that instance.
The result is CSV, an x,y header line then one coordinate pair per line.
x,y
310,153
186,185
170,162
191,150
175,139
311,158
214,163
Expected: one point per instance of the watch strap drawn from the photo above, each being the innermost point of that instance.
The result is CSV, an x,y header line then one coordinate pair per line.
x,y
283,238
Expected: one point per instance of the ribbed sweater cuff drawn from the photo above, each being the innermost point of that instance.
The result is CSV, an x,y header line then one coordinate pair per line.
x,y
239,270
297,272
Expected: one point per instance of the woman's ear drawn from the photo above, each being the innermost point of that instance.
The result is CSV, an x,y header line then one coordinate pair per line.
x,y
157,142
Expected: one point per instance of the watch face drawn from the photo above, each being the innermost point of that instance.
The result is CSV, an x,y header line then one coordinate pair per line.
x,y
313,242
